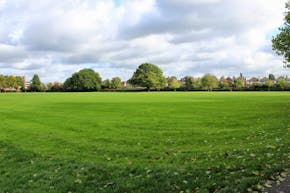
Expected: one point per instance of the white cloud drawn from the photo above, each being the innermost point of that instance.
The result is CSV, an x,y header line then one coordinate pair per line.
x,y
11,54
185,37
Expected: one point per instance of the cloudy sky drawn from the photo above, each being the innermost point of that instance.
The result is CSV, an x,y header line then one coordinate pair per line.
x,y
55,38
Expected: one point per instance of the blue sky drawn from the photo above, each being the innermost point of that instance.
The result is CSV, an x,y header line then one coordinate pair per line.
x,y
117,2
55,38
272,33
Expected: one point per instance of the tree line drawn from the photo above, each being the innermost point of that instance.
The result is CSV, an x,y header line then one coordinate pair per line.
x,y
146,77
11,83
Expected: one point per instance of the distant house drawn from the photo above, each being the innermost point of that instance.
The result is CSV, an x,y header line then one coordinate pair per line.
x,y
126,84
10,90
58,84
264,80
26,85
252,81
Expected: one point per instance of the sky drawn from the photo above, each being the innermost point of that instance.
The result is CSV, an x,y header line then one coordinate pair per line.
x,y
54,38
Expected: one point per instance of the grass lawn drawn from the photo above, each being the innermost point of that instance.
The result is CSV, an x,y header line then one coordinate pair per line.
x,y
142,142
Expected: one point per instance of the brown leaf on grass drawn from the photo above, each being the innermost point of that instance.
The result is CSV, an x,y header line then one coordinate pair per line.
x,y
267,166
109,184
168,153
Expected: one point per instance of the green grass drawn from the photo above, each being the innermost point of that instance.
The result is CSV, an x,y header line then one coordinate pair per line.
x,y
142,142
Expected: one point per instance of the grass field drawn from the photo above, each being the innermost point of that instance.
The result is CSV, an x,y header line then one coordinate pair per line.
x,y
142,142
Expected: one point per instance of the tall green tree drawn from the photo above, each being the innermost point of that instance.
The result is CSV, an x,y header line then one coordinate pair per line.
x,y
2,82
11,82
173,83
116,82
209,82
281,42
188,82
282,83
35,85
20,81
84,80
271,77
238,82
196,83
269,83
149,76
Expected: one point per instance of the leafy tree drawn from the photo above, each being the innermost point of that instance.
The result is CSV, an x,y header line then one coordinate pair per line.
x,y
209,82
49,86
223,83
20,81
107,83
269,84
271,77
84,80
2,82
116,82
281,42
173,83
55,87
149,76
35,85
11,82
239,83
196,83
282,83
43,87
188,82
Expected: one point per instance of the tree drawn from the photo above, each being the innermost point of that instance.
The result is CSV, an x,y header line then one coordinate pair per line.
x,y
281,42
116,82
271,77
43,87
223,83
209,82
84,80
188,82
55,87
11,82
173,83
269,84
2,82
282,83
238,83
49,86
107,83
196,83
149,76
20,82
35,85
